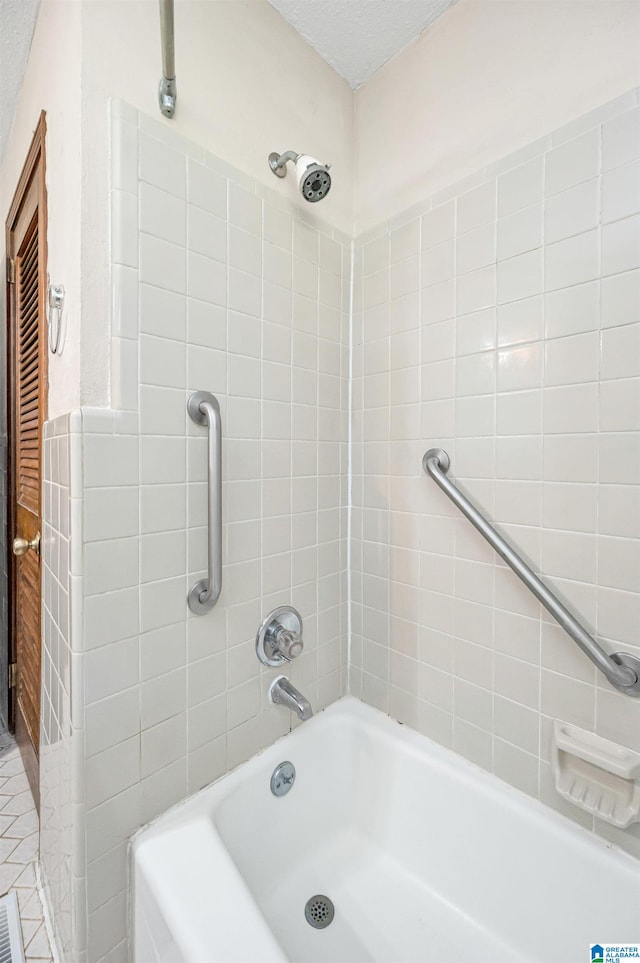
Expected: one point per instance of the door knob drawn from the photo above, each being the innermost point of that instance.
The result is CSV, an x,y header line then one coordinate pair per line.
x,y
22,545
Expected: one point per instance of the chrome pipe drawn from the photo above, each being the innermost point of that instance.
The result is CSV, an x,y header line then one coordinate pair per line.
x,y
168,93
204,409
622,670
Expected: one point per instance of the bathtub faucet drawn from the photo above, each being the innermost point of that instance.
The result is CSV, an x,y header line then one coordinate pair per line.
x,y
284,693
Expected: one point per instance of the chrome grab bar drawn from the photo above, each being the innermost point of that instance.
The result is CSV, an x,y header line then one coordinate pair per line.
x,y
168,91
622,670
204,409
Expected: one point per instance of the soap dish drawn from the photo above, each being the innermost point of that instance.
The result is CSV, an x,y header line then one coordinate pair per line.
x,y
597,775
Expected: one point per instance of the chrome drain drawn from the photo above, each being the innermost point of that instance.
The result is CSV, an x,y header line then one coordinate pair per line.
x,y
319,912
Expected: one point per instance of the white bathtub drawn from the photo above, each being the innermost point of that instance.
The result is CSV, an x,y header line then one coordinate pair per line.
x,y
425,857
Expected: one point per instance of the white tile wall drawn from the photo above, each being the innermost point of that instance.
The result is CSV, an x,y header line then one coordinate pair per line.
x,y
500,320
61,777
217,286
517,351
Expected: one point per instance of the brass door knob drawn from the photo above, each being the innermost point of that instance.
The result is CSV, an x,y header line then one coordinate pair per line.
x,y
22,545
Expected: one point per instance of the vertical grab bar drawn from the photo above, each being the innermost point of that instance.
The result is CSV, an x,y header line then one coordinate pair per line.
x,y
621,669
204,409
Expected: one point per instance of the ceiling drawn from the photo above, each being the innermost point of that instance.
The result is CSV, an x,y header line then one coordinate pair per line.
x,y
356,37
17,23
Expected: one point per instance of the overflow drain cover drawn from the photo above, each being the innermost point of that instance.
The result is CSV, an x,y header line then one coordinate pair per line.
x,y
319,912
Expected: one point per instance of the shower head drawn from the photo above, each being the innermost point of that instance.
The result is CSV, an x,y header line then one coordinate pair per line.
x,y
314,179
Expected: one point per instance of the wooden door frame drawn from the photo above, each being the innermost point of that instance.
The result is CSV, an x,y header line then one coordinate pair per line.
x,y
33,172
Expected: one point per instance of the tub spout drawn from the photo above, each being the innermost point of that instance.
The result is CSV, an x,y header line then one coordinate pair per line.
x,y
284,693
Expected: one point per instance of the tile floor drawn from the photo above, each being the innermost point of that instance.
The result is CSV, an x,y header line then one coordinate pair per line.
x,y
19,849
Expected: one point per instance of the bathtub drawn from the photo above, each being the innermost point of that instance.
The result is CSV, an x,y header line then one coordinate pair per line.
x,y
424,856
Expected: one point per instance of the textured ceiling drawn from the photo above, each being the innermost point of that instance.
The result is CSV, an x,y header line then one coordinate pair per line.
x,y
17,23
356,37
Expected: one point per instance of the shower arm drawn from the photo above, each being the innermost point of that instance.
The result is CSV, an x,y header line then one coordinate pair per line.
x,y
168,92
278,162
621,669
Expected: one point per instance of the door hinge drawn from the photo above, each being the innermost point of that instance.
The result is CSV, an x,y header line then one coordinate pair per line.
x,y
13,673
11,270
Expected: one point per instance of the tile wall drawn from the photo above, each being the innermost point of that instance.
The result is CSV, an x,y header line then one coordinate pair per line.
x,y
500,320
4,584
217,285
61,795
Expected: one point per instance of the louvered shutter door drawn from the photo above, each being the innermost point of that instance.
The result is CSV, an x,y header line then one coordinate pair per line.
x,y
28,374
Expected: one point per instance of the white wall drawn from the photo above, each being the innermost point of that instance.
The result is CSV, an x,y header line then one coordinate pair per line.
x,y
52,83
247,84
484,80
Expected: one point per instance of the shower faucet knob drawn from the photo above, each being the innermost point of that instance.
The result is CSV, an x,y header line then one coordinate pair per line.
x,y
279,638
287,643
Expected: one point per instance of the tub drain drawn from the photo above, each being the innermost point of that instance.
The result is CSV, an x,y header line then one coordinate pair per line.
x,y
319,912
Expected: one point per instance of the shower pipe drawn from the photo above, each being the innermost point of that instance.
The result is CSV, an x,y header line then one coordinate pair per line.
x,y
168,92
621,669
204,409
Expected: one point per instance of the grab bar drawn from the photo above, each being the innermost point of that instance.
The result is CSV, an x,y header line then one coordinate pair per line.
x,y
168,92
622,670
204,409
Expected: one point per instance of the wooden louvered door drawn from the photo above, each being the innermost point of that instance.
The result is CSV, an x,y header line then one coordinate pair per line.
x,y
27,382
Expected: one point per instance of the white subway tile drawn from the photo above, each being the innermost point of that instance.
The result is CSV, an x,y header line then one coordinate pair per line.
x,y
476,290
161,166
476,249
206,189
162,313
572,310
621,139
572,261
476,207
520,232
124,301
520,321
519,368
620,299
206,233
110,565
162,264
572,360
438,225
520,277
520,187
206,279
437,263
621,245
619,405
571,458
621,352
570,506
475,374
572,211
621,192
519,413
162,214
570,408
576,161
245,209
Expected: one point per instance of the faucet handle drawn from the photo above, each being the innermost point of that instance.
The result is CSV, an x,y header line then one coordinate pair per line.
x,y
279,638
288,643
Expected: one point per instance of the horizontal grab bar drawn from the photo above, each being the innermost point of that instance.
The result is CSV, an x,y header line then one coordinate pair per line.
x,y
622,670
204,409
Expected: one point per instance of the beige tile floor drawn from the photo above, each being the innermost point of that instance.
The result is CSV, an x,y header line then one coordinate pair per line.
x,y
19,850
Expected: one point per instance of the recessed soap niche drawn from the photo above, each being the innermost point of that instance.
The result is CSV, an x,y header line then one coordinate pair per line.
x,y
597,775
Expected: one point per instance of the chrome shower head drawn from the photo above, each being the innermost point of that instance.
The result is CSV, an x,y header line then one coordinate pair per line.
x,y
314,179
